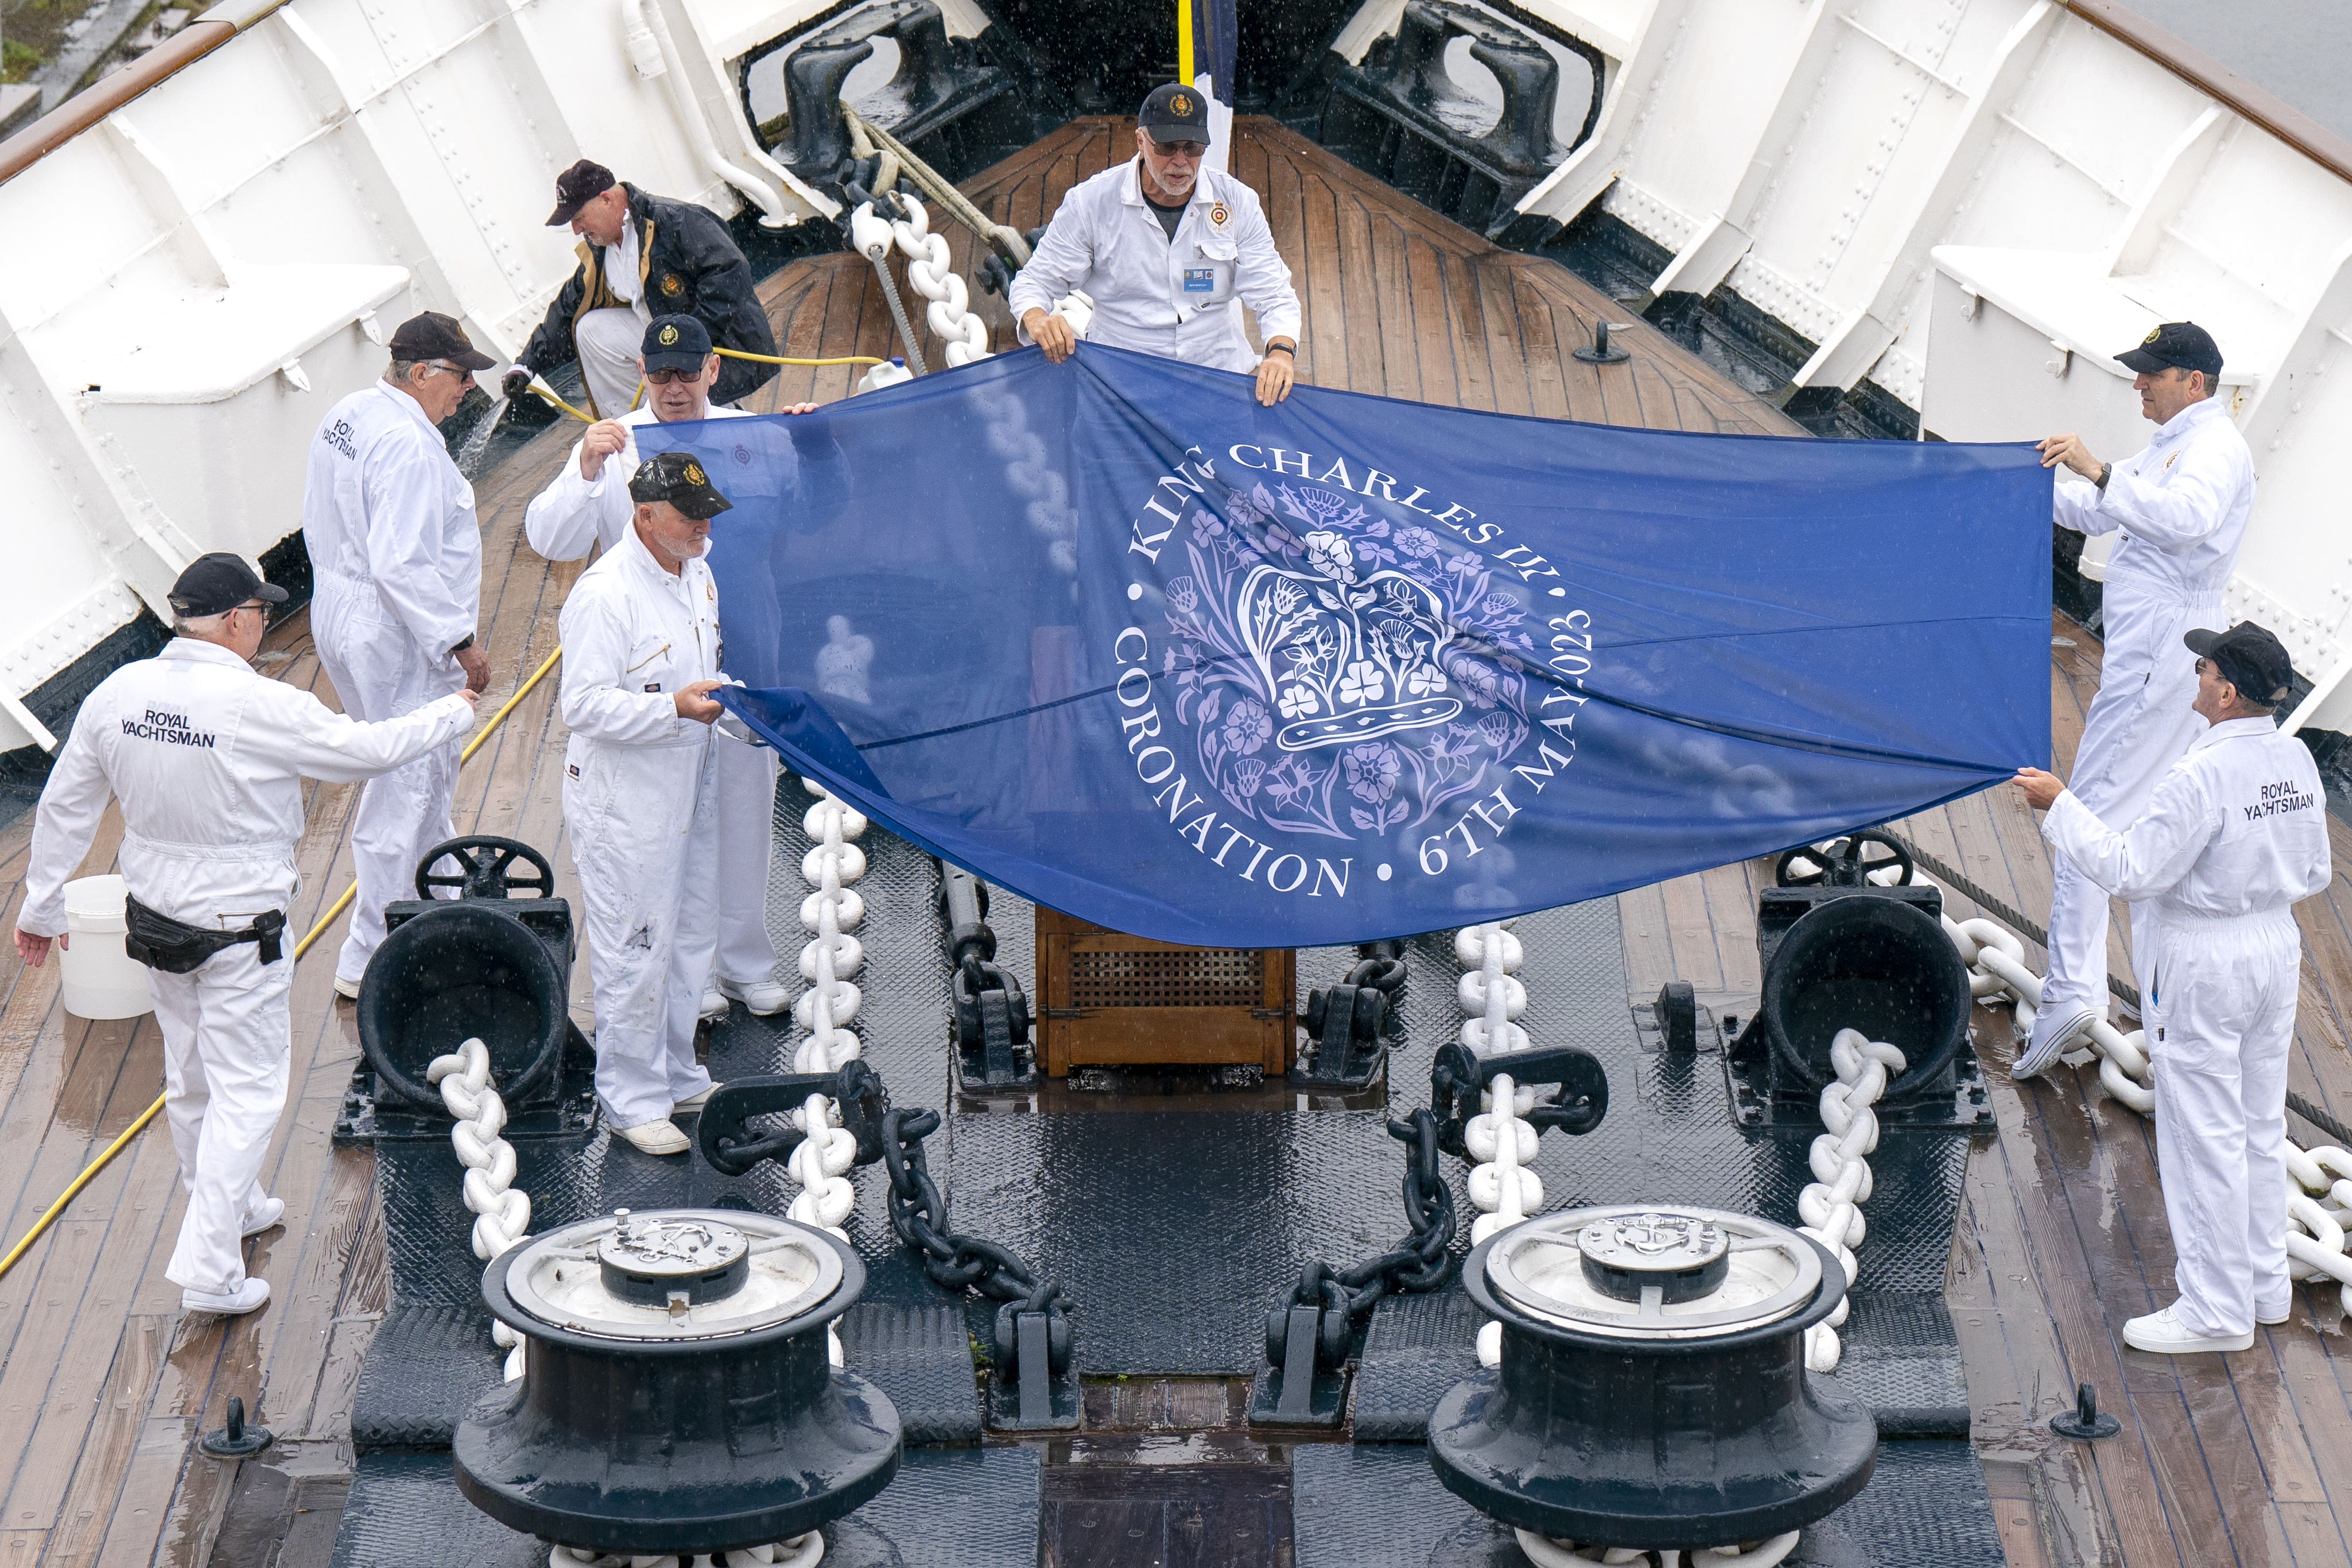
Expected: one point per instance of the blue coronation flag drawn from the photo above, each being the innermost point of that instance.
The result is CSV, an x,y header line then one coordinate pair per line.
x,y
1111,635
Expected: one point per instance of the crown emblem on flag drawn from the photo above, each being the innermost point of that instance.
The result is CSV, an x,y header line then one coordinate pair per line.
x,y
1349,655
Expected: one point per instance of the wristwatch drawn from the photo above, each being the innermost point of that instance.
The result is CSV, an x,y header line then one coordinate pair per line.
x,y
2104,469
460,647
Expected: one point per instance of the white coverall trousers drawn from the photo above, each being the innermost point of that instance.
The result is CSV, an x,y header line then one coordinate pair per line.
x,y
2219,1033
2140,724
645,837
224,1053
381,673
608,340
747,814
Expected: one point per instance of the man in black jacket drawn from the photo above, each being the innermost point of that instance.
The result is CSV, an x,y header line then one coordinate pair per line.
x,y
641,257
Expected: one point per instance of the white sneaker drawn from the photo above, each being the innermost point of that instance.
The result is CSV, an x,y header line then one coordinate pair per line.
x,y
2272,1320
2055,1032
765,998
249,1296
660,1137
2161,1333
714,1004
349,990
263,1216
693,1103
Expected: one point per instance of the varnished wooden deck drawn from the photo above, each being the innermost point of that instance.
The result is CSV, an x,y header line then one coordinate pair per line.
x,y
103,1384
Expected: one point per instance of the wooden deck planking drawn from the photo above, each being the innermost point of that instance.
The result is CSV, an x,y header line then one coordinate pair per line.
x,y
2062,1235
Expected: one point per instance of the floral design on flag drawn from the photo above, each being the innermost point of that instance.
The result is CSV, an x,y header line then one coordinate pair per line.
x,y
1342,676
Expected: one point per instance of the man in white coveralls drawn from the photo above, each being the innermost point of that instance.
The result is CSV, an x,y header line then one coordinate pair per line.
x,y
207,759
587,505
2233,836
1169,252
397,557
640,660
2179,509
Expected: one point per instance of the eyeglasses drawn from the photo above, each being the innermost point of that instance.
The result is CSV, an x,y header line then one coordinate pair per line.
x,y
458,371
1180,149
664,377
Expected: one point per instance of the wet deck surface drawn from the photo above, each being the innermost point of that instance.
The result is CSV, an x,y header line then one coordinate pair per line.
x,y
2240,1460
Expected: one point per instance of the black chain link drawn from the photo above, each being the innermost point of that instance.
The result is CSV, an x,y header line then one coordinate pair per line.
x,y
1418,1263
919,1212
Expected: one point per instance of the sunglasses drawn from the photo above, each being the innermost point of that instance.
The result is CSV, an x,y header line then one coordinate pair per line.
x,y
664,377
1180,149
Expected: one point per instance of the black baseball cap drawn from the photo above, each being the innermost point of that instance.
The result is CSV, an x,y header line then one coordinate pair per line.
x,y
2184,344
1175,112
677,478
2249,658
219,582
435,336
576,187
675,342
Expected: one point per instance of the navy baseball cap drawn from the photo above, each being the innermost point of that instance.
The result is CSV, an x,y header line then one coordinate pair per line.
x,y
1175,112
2249,659
432,335
576,187
677,478
675,342
2181,344
219,582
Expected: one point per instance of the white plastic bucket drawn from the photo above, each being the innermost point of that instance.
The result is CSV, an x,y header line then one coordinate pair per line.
x,y
101,980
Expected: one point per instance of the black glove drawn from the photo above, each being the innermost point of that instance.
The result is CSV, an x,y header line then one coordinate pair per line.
x,y
516,380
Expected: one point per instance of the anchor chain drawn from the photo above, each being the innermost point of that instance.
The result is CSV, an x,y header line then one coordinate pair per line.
x,y
1502,1187
1418,1263
502,1210
919,1212
2319,1179
1831,1204
930,273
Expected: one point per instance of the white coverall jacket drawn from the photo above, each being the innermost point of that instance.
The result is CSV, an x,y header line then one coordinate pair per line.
x,y
640,802
2233,836
397,554
2181,506
207,759
1180,299
563,522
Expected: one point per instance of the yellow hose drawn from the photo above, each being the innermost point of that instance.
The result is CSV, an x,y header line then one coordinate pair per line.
x,y
771,359
49,1216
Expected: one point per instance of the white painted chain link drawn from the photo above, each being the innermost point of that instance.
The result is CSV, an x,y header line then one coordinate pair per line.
x,y
1547,1552
933,276
820,1162
1831,1204
798,1551
502,1210
1029,474
2319,1190
1503,1187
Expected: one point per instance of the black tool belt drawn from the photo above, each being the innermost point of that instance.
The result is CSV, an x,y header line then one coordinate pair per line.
x,y
158,941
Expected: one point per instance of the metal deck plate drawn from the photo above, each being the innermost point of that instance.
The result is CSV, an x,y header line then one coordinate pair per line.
x,y
1380,1506
947,1508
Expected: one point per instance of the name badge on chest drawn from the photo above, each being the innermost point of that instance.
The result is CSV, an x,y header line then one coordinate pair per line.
x,y
1200,280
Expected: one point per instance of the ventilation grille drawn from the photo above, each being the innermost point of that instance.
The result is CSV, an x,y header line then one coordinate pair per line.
x,y
1196,977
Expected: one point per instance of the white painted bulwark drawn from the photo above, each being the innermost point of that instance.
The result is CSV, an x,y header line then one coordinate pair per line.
x,y
225,254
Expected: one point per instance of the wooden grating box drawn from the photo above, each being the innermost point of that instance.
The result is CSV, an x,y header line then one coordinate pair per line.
x,y
1111,999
